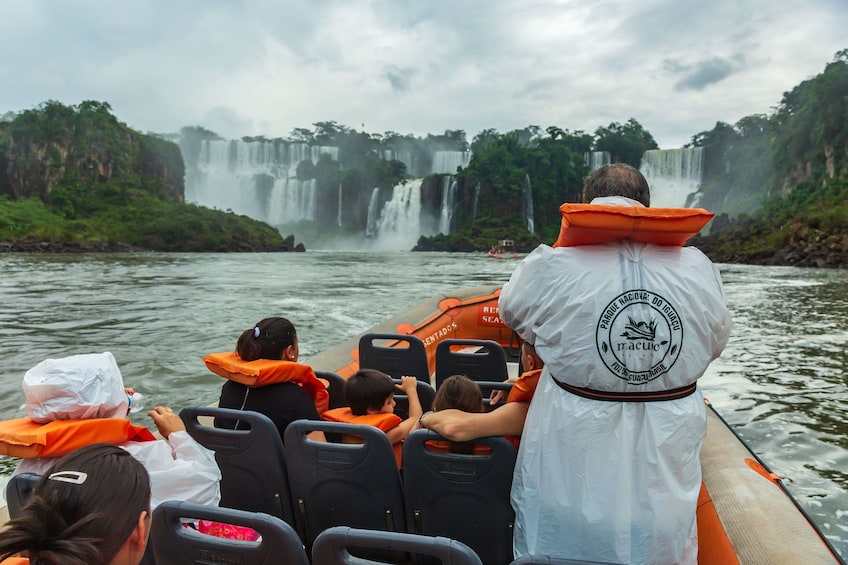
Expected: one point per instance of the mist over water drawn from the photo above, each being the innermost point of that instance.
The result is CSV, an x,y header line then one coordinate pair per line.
x,y
782,381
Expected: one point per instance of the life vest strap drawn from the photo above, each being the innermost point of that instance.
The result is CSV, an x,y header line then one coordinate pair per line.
x,y
607,396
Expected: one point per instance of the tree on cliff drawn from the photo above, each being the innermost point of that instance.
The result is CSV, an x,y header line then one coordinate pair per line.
x,y
76,175
626,143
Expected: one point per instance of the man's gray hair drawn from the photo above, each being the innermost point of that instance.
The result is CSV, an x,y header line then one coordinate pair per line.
x,y
617,179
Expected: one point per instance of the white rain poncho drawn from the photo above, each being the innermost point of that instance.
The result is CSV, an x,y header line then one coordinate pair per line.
x,y
91,386
614,481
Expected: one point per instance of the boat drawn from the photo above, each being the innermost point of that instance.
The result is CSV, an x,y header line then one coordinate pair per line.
x,y
745,513
503,248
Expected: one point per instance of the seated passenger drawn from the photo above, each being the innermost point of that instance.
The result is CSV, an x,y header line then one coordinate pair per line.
x,y
263,376
91,507
79,400
506,420
370,397
461,393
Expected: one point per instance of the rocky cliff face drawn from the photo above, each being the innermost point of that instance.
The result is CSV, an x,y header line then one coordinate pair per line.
x,y
52,147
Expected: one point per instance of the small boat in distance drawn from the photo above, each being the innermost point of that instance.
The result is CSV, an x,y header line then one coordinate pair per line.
x,y
503,248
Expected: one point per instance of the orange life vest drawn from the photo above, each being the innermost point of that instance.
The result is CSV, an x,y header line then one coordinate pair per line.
x,y
15,561
25,438
442,446
523,391
590,224
262,372
383,421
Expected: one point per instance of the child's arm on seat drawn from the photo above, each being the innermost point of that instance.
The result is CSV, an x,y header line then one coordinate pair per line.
x,y
409,385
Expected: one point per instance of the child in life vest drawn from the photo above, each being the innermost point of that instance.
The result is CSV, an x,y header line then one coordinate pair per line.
x,y
79,400
370,397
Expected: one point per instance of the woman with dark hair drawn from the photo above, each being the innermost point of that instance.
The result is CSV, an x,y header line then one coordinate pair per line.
x,y
263,376
91,507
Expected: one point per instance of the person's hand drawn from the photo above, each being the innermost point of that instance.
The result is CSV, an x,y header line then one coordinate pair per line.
x,y
129,391
167,422
408,384
498,395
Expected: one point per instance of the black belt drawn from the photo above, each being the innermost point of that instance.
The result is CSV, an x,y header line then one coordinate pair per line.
x,y
607,396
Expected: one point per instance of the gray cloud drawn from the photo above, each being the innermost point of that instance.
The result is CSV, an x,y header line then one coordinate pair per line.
x,y
700,75
263,67
399,78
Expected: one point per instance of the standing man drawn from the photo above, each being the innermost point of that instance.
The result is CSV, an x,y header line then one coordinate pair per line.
x,y
609,465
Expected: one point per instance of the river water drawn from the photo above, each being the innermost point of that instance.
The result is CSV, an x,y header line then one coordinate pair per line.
x,y
782,381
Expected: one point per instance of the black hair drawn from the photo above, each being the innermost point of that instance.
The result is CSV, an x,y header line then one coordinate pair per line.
x,y
368,388
266,340
82,510
617,179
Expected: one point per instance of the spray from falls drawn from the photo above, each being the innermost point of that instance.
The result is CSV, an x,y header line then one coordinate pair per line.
x,y
399,226
674,175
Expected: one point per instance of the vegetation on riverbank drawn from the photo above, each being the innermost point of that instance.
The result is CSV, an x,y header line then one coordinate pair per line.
x,y
74,178
779,183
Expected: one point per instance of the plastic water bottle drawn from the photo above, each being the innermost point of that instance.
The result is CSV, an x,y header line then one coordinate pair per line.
x,y
136,402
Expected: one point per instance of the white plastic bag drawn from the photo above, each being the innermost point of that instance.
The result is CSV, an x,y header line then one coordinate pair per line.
x,y
80,386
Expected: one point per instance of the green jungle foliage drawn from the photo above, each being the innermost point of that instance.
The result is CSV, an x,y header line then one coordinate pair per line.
x,y
105,183
493,188
784,176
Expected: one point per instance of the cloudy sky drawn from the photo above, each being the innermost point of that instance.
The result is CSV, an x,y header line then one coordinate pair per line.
x,y
265,67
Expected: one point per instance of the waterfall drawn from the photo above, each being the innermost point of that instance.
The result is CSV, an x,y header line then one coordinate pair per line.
x,y
448,198
528,205
256,178
596,159
404,157
291,200
446,162
474,207
399,226
674,175
371,226
339,214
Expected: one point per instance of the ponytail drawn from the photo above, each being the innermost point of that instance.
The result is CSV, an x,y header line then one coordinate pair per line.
x,y
82,510
266,340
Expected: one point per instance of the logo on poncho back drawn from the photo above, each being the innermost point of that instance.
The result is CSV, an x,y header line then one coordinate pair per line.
x,y
639,336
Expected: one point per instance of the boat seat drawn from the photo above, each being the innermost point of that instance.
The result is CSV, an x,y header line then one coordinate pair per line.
x,y
335,388
461,496
340,484
333,544
426,395
174,543
252,463
394,354
481,360
18,490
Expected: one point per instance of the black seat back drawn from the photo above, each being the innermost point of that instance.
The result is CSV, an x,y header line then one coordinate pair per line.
x,y
426,395
252,463
461,496
332,546
477,359
174,543
481,360
335,388
18,491
338,484
394,354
